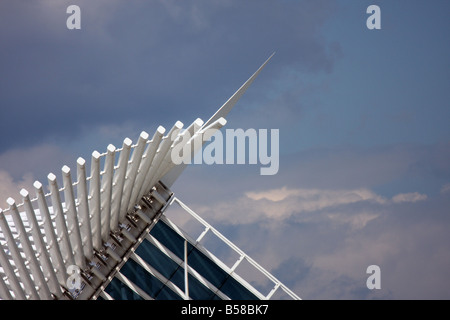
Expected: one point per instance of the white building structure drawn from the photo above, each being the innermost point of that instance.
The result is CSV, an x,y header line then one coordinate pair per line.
x,y
104,233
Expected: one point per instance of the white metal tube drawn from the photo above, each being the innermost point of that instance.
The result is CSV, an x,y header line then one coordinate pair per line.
x,y
183,139
14,283
237,263
94,201
83,209
50,235
186,274
171,172
194,127
202,136
153,174
270,294
72,218
41,250
7,268
106,196
33,263
4,291
202,235
145,165
119,181
61,226
18,260
136,159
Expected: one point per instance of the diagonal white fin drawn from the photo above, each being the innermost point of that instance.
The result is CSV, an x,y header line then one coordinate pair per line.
x,y
171,176
227,106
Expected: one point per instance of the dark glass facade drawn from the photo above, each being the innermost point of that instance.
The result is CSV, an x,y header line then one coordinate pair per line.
x,y
174,272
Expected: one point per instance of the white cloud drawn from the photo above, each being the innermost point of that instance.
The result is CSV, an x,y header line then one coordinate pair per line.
x,y
356,221
315,199
282,203
409,197
445,188
38,159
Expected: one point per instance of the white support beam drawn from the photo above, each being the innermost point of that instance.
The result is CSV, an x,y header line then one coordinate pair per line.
x,y
106,196
202,235
38,277
72,218
172,175
25,276
4,291
181,140
186,272
14,283
41,251
172,171
270,294
145,165
83,209
118,183
155,174
227,106
52,242
94,201
61,227
132,171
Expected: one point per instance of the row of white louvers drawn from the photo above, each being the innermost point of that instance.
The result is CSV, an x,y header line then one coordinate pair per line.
x,y
40,242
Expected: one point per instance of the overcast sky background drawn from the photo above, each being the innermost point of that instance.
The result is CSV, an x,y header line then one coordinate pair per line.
x,y
363,116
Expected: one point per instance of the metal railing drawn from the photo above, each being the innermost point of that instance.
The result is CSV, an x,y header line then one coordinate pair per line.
x,y
242,255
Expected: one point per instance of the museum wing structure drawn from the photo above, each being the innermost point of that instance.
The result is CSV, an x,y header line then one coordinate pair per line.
x,y
101,230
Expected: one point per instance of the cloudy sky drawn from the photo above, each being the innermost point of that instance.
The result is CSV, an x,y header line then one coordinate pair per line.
x,y
364,175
